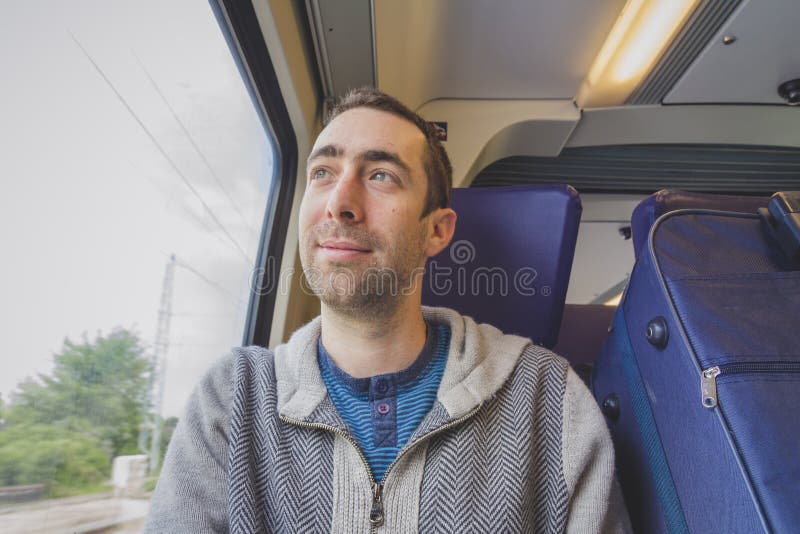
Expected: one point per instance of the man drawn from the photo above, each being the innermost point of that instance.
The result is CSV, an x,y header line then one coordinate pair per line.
x,y
382,415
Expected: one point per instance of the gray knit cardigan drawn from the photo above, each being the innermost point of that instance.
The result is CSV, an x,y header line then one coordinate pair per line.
x,y
513,443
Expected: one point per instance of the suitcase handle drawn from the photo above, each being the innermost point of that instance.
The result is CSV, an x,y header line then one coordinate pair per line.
x,y
782,220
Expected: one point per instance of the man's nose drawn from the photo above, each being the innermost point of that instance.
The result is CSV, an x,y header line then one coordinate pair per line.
x,y
345,200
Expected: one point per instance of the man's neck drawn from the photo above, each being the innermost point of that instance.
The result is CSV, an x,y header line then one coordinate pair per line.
x,y
364,348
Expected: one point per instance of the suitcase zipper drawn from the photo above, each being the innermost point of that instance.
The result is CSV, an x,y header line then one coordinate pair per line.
x,y
708,380
708,386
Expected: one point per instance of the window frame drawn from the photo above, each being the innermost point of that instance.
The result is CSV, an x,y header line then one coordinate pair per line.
x,y
239,24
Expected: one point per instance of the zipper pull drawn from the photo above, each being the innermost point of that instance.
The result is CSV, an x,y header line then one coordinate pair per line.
x,y
708,385
376,514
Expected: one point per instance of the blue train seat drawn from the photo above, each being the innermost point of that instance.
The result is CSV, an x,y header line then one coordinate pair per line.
x,y
510,259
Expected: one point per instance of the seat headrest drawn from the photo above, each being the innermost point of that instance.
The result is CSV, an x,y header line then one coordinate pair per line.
x,y
667,200
510,258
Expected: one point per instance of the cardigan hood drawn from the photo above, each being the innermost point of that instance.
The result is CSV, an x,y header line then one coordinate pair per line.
x,y
470,378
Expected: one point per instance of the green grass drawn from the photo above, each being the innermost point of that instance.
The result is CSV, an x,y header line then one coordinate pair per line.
x,y
57,491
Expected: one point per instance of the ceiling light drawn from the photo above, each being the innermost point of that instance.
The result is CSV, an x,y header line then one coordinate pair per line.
x,y
642,32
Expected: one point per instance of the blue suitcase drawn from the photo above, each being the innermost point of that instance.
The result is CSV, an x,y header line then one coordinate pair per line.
x,y
700,376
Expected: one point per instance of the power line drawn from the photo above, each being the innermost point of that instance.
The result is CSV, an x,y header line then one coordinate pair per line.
x,y
209,281
190,213
206,279
194,145
163,152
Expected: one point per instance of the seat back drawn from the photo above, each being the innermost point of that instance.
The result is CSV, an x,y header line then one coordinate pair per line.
x,y
584,329
667,200
510,258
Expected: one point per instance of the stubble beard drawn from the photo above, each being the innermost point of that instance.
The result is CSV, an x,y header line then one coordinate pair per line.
x,y
364,291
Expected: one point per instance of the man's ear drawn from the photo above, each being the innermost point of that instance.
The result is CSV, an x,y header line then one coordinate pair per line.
x,y
443,225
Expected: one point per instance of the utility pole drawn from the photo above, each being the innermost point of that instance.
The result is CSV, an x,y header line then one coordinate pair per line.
x,y
159,361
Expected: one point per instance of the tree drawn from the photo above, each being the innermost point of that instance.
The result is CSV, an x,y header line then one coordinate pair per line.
x,y
167,429
103,383
64,428
69,461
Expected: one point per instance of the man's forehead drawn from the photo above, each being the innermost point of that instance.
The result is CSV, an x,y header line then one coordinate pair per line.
x,y
361,129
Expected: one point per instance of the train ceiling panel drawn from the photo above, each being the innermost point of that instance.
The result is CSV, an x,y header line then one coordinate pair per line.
x,y
517,49
423,50
342,35
760,54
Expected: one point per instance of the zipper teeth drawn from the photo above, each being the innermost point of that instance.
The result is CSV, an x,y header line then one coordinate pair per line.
x,y
345,435
439,430
320,426
760,367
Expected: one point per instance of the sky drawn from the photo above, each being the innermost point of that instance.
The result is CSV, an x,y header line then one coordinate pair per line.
x,y
127,135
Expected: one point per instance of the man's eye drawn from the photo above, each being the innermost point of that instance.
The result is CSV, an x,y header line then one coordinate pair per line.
x,y
381,176
319,174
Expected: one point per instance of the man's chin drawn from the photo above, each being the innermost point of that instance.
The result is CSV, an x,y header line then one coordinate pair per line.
x,y
360,307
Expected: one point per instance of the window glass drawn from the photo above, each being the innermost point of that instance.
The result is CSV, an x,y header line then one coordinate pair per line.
x,y
604,255
135,176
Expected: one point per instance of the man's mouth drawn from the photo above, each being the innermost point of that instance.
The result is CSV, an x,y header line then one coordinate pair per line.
x,y
340,249
340,244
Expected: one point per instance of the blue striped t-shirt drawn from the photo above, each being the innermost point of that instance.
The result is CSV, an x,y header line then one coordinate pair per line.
x,y
383,411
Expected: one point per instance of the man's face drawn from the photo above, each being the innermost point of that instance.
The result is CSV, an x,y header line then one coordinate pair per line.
x,y
362,242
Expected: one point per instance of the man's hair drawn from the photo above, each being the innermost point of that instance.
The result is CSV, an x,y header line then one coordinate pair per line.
x,y
435,160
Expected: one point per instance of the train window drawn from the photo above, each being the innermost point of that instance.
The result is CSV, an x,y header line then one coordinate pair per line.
x,y
604,252
137,173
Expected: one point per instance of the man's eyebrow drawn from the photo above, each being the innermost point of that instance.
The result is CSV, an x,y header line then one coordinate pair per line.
x,y
327,151
384,155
